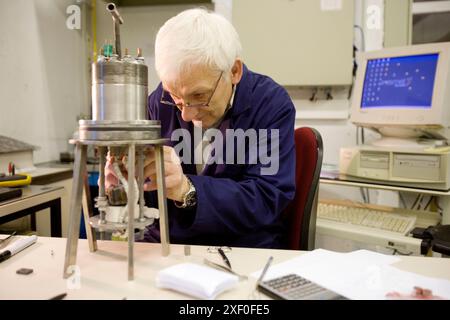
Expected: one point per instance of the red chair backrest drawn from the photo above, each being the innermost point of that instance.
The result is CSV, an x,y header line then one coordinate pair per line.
x,y
309,154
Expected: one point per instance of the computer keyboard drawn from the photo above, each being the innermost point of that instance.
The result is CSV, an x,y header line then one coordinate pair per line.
x,y
295,287
397,221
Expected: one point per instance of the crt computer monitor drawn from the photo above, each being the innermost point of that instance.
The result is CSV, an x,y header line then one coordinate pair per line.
x,y
404,92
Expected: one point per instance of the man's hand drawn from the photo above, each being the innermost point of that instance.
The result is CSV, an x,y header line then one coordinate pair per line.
x,y
111,179
177,184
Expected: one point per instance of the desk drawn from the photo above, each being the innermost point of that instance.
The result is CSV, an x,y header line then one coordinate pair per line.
x,y
50,172
104,273
33,199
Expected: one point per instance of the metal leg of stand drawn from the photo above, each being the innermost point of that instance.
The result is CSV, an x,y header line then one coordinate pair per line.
x,y
101,186
162,202
88,212
75,209
131,204
140,174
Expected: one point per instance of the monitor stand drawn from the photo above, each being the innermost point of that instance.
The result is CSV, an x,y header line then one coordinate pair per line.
x,y
408,143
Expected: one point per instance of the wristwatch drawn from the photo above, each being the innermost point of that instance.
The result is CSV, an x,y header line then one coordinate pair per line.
x,y
190,197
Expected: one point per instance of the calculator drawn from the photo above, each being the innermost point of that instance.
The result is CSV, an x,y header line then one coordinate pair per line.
x,y
295,287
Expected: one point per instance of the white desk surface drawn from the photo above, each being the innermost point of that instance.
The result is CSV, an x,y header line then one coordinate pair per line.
x,y
104,273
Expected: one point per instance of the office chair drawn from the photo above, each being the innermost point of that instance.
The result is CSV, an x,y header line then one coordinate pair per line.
x,y
300,215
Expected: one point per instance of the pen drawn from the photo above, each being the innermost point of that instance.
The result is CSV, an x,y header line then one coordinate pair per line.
x,y
59,296
5,255
224,257
16,247
265,269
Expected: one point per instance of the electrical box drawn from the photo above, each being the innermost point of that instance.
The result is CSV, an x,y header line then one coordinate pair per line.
x,y
297,42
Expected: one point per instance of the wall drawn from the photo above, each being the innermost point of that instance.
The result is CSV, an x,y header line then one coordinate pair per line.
x,y
43,75
397,23
46,108
291,40
138,31
331,117
337,133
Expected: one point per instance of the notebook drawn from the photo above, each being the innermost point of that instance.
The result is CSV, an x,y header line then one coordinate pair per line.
x,y
196,280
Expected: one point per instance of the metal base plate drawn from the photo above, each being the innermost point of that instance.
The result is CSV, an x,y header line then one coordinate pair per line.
x,y
111,226
119,130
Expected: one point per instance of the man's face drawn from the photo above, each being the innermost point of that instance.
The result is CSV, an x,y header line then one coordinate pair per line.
x,y
197,87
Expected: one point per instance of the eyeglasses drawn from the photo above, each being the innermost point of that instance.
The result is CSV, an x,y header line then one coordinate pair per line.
x,y
166,97
216,249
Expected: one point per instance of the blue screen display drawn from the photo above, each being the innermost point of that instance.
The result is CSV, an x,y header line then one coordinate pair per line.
x,y
400,82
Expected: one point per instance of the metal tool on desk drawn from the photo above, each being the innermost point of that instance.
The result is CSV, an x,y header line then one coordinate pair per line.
x,y
4,241
223,268
120,127
224,257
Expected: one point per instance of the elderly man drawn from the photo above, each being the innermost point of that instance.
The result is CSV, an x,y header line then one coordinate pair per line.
x,y
230,194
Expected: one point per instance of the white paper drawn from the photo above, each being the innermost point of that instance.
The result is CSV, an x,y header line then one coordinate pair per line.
x,y
372,257
359,275
18,245
196,280
330,5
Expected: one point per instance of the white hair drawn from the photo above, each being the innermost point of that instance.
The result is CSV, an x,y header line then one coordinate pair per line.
x,y
195,37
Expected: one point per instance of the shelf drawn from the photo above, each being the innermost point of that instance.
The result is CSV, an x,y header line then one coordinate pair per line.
x,y
377,185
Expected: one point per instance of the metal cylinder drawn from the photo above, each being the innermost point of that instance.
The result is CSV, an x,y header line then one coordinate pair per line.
x,y
119,90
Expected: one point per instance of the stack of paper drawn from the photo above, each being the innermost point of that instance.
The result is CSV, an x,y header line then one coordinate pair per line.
x,y
196,280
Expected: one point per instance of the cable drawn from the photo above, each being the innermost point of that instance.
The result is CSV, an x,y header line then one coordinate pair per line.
x,y
420,203
349,95
355,64
329,95
396,251
402,199
363,195
415,201
314,95
363,41
428,203
357,135
364,191
436,202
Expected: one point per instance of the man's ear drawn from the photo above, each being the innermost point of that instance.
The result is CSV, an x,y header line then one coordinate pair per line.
x,y
236,71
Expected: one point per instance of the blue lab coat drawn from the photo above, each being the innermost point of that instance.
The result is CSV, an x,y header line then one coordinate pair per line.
x,y
236,205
